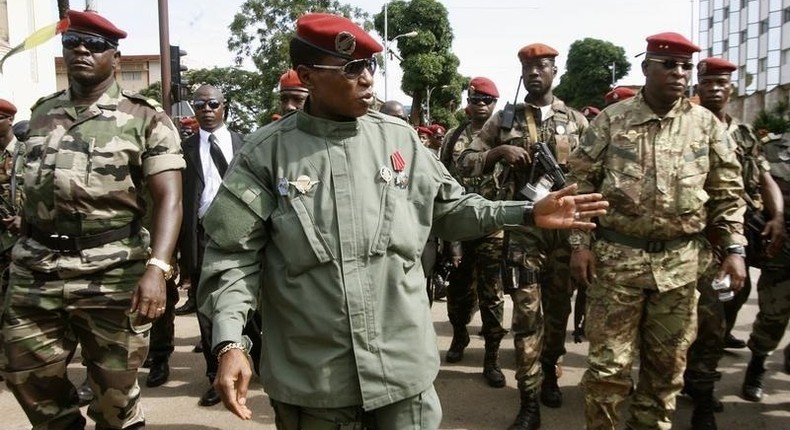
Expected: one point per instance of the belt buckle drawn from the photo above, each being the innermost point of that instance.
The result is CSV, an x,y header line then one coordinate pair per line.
x,y
61,241
653,246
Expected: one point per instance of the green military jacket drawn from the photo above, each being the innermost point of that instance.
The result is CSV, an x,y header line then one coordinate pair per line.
x,y
777,153
324,222
561,129
753,163
664,178
11,162
84,173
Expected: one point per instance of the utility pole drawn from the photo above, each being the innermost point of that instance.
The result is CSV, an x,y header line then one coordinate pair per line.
x,y
164,55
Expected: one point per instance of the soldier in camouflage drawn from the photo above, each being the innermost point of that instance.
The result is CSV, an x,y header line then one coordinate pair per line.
x,y
714,89
476,279
672,177
542,301
80,265
773,287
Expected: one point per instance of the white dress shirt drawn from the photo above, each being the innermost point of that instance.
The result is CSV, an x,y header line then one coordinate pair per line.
x,y
211,177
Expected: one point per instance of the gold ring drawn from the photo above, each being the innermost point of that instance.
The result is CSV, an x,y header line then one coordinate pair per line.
x,y
576,215
160,309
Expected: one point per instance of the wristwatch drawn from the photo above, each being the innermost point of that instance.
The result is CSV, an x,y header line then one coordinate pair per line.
x,y
576,241
737,250
167,269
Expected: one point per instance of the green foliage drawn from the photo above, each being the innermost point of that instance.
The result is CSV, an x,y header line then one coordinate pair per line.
x,y
774,120
247,100
588,73
261,31
153,91
427,58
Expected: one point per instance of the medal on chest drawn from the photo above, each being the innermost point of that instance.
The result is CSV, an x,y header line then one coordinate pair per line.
x,y
399,167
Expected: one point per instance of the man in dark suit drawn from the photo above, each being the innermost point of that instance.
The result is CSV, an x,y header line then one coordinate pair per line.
x,y
207,153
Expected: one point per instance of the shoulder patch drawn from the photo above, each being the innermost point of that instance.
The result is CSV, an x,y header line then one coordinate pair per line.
x,y
141,98
45,98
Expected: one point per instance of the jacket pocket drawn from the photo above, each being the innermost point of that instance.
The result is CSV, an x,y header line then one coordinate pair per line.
x,y
298,238
623,181
691,194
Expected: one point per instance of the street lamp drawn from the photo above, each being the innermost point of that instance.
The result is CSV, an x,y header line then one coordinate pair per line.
x,y
387,44
612,67
428,102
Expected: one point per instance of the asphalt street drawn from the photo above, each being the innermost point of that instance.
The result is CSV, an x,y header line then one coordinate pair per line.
x,y
468,403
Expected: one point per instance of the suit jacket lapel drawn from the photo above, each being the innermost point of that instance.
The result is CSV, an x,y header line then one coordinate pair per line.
x,y
192,150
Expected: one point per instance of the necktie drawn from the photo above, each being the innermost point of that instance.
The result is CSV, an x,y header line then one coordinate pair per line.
x,y
216,155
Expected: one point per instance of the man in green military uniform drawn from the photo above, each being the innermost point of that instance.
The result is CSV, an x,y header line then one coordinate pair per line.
x,y
80,266
331,208
476,277
773,287
714,89
674,180
542,301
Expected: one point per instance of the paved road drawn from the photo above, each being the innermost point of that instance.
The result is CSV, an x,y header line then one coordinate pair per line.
x,y
468,403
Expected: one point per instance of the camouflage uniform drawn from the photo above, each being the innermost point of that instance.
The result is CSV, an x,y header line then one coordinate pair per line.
x,y
773,287
476,280
707,349
644,297
546,252
84,170
7,239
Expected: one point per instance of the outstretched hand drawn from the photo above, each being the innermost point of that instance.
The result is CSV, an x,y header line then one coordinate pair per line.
x,y
562,209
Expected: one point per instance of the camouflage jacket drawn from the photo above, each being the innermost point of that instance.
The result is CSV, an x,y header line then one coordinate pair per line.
x,y
753,163
561,130
475,184
777,153
8,168
84,174
665,177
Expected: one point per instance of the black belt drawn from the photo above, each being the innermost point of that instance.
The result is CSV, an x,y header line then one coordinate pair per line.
x,y
67,243
639,243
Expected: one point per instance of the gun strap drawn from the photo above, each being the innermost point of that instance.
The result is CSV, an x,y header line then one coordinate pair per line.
x,y
532,127
449,146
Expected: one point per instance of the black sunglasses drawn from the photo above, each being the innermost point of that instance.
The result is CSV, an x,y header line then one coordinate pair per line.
x,y
213,104
672,64
352,69
486,100
94,44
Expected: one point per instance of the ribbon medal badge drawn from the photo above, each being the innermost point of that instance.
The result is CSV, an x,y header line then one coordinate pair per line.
x,y
399,166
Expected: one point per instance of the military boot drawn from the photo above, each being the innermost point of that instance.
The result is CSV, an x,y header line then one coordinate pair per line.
x,y
702,417
752,388
528,417
491,370
550,394
457,345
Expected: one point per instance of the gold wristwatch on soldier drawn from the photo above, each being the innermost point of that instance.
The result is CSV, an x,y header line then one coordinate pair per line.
x,y
164,266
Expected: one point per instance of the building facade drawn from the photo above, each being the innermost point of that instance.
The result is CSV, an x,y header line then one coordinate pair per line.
x,y
135,72
755,35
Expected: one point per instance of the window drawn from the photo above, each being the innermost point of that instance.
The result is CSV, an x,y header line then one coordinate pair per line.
x,y
764,26
132,76
785,56
762,65
744,37
725,45
786,16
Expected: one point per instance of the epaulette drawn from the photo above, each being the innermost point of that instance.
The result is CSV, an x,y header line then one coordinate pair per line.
x,y
45,98
147,100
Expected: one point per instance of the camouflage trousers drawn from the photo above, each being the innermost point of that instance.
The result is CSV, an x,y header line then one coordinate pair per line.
x,y
704,354
542,302
44,315
420,412
773,299
477,281
5,262
622,320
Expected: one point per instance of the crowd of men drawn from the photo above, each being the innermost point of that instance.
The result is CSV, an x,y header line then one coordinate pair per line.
x,y
303,245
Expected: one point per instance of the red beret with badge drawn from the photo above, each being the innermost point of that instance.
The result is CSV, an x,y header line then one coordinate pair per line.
x,y
436,129
481,85
93,23
671,44
618,94
289,81
424,130
715,66
336,35
7,108
536,50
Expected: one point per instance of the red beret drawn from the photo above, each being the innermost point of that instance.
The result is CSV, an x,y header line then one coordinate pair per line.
x,y
424,130
618,94
7,107
671,44
290,81
481,85
715,66
590,111
436,129
336,35
536,50
92,22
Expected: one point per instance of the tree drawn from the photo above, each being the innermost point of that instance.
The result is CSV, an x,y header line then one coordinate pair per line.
x,y
261,31
427,58
588,73
774,120
247,108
